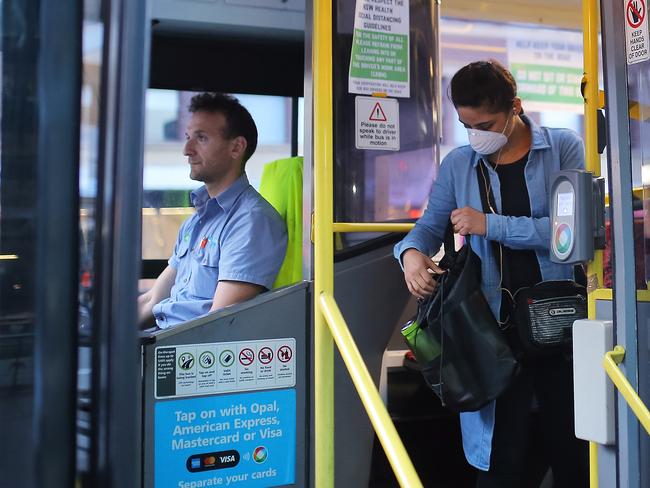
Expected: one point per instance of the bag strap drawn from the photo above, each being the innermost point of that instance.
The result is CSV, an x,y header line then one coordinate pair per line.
x,y
451,254
483,175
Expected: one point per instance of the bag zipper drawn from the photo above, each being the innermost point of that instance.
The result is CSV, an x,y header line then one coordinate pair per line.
x,y
555,299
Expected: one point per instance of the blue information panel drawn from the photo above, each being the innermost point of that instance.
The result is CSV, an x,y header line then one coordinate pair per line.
x,y
246,439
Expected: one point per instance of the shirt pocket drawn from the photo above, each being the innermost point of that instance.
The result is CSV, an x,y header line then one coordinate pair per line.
x,y
182,249
179,255
205,273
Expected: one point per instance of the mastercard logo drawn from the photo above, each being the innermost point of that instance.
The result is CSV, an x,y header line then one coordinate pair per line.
x,y
209,461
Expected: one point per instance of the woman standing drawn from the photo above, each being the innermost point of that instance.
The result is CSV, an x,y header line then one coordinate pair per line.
x,y
515,159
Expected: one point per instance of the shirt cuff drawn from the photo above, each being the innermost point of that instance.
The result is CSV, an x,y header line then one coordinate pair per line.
x,y
495,227
401,247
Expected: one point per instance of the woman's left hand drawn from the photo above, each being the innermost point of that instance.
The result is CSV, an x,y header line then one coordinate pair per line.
x,y
467,221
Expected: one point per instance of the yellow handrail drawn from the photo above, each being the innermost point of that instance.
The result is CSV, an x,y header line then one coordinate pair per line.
x,y
593,465
370,227
323,243
592,103
592,159
324,304
381,421
610,362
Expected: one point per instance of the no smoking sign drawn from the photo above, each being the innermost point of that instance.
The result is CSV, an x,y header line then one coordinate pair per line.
x,y
636,31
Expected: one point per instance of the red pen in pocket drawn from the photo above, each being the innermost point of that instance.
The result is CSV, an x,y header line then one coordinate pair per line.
x,y
204,242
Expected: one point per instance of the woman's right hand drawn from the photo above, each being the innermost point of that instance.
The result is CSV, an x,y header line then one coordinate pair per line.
x,y
419,271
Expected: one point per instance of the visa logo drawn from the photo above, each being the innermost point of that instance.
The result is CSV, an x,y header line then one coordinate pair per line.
x,y
227,459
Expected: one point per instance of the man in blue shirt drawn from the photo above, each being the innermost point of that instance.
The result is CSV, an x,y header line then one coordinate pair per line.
x,y
232,248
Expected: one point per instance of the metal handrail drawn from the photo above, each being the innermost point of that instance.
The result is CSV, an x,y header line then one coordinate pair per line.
x,y
591,105
370,227
326,311
323,143
592,159
610,362
381,421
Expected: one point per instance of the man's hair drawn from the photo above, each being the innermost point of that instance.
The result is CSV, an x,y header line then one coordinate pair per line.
x,y
238,120
483,84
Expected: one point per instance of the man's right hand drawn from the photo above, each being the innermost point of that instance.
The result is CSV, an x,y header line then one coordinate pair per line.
x,y
160,290
145,308
419,271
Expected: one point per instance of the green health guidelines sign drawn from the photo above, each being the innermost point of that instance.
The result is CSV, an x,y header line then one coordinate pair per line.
x,y
379,61
378,56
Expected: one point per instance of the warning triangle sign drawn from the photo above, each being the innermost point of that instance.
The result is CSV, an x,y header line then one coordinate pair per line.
x,y
377,114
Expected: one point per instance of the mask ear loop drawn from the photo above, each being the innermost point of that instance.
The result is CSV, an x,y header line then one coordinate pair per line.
x,y
503,325
496,163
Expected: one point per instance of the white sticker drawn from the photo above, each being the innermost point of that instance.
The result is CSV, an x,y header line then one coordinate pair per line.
x,y
377,123
636,31
224,367
380,55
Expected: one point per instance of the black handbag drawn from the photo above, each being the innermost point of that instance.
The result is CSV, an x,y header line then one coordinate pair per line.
x,y
544,315
455,338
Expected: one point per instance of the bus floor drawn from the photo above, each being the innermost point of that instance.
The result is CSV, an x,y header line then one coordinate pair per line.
x,y
431,435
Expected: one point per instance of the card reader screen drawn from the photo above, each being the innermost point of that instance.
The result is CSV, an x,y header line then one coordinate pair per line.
x,y
564,204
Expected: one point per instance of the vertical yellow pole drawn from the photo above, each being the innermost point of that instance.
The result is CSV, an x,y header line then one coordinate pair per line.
x,y
595,268
592,158
323,243
593,465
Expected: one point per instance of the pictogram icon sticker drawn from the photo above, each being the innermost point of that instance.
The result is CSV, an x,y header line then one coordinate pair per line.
x,y
246,356
186,361
226,358
206,359
265,355
377,114
635,12
285,354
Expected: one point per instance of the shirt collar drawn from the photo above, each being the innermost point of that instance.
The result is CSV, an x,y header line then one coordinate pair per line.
x,y
538,138
226,198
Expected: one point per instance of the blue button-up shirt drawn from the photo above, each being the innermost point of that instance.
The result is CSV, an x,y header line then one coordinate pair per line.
x,y
235,236
456,187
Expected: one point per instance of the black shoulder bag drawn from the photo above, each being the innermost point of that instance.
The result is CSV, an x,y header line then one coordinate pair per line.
x,y
455,338
543,314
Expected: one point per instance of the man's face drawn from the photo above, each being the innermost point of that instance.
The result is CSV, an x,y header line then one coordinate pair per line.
x,y
211,156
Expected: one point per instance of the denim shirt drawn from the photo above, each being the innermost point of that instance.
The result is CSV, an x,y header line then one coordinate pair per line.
x,y
235,236
457,187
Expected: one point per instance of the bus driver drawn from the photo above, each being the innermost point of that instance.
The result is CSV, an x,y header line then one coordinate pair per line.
x,y
232,248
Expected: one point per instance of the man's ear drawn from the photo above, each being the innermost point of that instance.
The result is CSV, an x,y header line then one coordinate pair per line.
x,y
238,148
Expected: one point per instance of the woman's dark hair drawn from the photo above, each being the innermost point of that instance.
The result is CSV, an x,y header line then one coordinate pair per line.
x,y
483,84
238,120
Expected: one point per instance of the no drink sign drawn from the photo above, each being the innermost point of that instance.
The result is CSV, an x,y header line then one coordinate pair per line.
x,y
636,31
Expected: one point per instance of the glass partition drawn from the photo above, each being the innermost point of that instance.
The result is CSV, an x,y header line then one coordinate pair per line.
x,y
378,185
18,236
167,184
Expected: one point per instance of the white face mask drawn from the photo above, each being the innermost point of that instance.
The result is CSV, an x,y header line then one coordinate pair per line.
x,y
486,142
